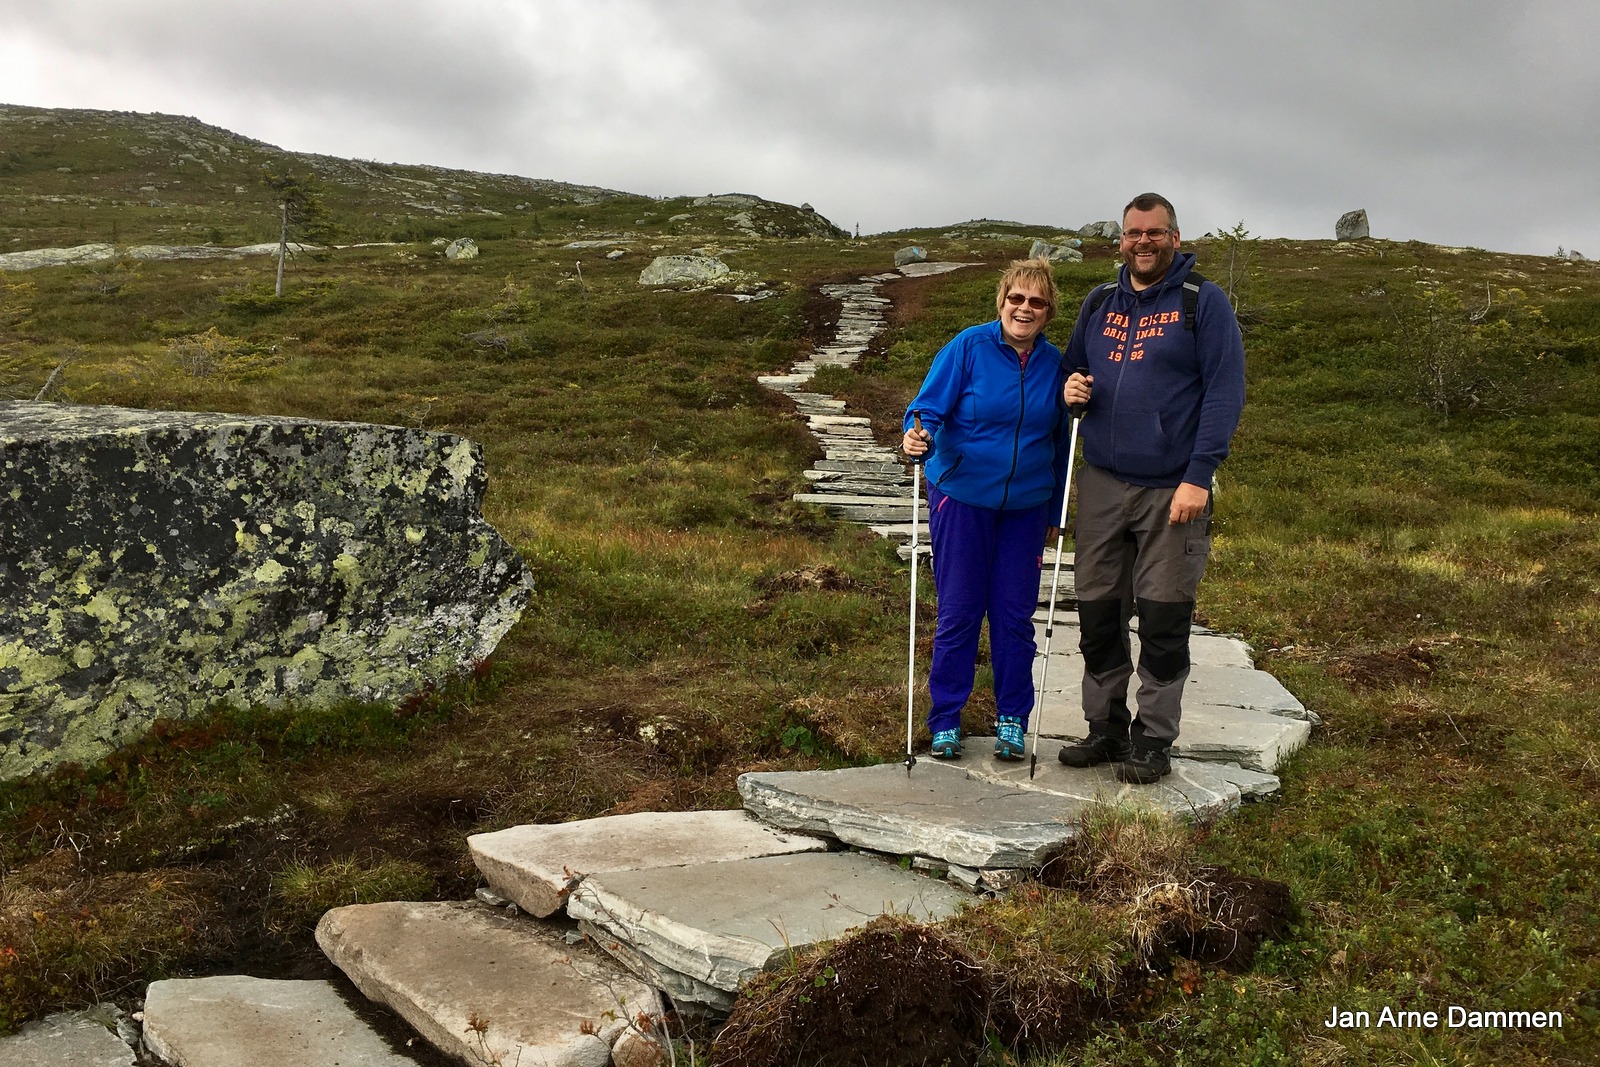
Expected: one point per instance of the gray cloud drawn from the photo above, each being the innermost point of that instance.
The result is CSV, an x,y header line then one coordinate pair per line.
x,y
1455,122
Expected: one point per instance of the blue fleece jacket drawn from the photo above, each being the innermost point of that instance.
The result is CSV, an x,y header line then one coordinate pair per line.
x,y
999,429
1165,400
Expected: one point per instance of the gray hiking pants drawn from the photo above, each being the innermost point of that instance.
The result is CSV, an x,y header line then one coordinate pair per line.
x,y
1130,558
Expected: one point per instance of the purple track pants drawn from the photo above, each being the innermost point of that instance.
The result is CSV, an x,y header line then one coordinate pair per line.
x,y
985,563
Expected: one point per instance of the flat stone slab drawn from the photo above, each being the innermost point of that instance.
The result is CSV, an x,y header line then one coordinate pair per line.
x,y
1206,651
1257,740
723,923
936,811
538,866
442,966
238,1021
687,993
922,270
70,1039
1193,790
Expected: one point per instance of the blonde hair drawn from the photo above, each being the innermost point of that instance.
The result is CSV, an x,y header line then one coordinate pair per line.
x,y
1036,272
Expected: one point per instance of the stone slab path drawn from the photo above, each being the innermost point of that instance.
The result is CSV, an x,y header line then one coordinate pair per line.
x,y
538,866
236,1021
488,988
70,1039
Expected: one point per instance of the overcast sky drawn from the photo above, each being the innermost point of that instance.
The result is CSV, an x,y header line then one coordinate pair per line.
x,y
1458,122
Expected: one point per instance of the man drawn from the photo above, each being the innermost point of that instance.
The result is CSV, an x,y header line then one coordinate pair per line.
x,y
1161,370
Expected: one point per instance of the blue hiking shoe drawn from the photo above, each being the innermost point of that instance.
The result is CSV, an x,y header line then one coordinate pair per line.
x,y
1011,739
947,744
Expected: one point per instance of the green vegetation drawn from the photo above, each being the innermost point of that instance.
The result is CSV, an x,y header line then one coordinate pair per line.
x,y
1426,578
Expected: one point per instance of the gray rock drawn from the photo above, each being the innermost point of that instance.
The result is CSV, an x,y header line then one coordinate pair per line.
x,y
538,866
56,257
681,218
462,248
70,1039
615,253
1575,256
935,811
1258,740
1110,230
1193,789
1062,253
686,993
682,270
167,562
924,270
442,966
722,923
1352,226
235,1021
910,254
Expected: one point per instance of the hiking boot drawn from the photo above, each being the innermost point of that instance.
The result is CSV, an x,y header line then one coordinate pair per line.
x,y
1010,738
1096,749
947,744
1147,764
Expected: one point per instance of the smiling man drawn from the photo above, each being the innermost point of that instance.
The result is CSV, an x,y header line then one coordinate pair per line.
x,y
1158,359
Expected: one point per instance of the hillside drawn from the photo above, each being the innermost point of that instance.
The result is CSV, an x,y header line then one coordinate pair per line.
x,y
1407,535
71,177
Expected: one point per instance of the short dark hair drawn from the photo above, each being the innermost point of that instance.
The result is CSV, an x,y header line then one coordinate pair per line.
x,y
1150,201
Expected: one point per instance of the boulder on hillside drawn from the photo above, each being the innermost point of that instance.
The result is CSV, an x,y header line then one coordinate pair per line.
x,y
910,254
154,564
682,270
1108,229
1352,226
462,248
1062,253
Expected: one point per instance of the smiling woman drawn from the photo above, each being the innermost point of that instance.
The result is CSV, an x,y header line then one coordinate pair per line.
x,y
991,425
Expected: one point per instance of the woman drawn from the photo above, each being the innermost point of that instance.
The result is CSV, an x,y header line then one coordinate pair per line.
x,y
994,431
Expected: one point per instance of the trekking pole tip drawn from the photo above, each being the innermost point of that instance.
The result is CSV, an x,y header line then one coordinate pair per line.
x,y
911,761
1033,765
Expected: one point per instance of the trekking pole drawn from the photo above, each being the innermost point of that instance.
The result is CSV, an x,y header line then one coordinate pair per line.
x,y
1055,582
911,641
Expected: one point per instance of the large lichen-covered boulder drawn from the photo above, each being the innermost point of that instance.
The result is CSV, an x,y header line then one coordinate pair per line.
x,y
156,563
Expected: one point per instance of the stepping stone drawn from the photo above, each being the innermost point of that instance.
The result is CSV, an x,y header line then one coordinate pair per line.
x,y
450,968
723,923
1211,656
1252,785
902,532
1193,790
1253,689
855,488
839,420
237,1021
863,467
936,811
69,1039
1257,740
538,866
922,270
687,994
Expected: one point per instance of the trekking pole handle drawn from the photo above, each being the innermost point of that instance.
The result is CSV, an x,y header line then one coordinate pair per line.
x,y
916,425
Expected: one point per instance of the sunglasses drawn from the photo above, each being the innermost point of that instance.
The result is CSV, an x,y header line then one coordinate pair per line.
x,y
1037,303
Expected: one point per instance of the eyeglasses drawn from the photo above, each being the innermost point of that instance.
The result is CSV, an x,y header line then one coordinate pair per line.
x,y
1139,235
1037,303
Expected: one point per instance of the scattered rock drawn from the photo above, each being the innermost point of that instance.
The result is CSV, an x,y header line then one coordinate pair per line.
x,y
1108,229
735,200
462,248
910,254
1061,253
1352,226
615,253
682,270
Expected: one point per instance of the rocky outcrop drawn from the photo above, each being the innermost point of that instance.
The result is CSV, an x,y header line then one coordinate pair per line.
x,y
461,248
1352,226
153,564
910,254
1108,229
1065,252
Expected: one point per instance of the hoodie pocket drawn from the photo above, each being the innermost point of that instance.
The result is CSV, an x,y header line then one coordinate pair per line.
x,y
1142,447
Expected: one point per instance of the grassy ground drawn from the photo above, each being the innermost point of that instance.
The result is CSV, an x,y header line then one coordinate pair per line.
x,y
1428,584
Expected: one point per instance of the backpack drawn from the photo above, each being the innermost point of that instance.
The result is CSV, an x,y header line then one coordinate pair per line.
x,y
1191,297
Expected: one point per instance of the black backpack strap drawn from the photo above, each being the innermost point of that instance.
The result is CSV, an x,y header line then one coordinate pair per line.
x,y
1097,296
1191,298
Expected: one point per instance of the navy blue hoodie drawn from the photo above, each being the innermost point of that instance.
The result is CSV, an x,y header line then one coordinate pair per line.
x,y
1165,400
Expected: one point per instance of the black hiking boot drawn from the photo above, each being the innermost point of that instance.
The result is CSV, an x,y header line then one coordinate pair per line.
x,y
1147,764
1096,749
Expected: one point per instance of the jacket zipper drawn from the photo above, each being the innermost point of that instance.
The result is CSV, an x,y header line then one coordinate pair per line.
x,y
1016,435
